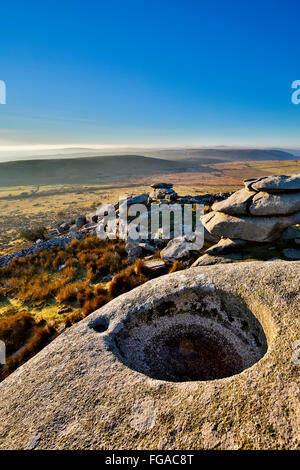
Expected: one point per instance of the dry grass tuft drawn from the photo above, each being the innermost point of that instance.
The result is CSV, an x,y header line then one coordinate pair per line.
x,y
96,302
129,278
44,281
177,266
34,233
23,338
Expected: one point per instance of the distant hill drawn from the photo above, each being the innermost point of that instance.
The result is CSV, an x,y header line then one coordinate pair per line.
x,y
101,170
213,155
107,169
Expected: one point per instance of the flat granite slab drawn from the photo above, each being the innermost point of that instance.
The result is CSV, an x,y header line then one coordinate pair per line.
x,y
132,374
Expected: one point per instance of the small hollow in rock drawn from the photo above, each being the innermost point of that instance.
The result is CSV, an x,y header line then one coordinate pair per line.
x,y
191,339
99,325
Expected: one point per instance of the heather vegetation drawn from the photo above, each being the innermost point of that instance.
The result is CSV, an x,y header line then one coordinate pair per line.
x,y
42,294
33,234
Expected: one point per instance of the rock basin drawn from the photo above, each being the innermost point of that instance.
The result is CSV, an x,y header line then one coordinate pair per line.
x,y
102,384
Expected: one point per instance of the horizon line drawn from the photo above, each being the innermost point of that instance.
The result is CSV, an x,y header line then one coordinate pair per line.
x,y
41,147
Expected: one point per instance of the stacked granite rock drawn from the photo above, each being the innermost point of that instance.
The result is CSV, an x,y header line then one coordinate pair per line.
x,y
163,191
260,212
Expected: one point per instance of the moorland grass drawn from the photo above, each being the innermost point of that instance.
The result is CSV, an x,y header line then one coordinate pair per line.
x,y
75,280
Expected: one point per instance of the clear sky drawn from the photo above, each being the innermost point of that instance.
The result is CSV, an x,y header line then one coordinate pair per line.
x,y
155,72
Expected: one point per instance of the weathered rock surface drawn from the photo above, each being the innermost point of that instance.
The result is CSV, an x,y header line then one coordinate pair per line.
x,y
130,200
80,392
80,221
41,245
275,204
209,260
237,204
147,247
248,183
161,185
261,229
180,247
163,193
226,245
275,183
155,264
63,227
133,249
209,237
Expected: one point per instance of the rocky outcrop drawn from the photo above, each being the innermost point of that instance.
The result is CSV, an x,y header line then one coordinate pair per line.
x,y
62,242
260,212
162,185
275,184
264,204
260,229
130,200
130,376
163,193
237,204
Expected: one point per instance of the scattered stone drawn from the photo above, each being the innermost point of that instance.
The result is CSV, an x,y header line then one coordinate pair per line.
x,y
89,229
32,249
155,265
147,247
179,248
131,200
133,249
80,221
226,245
141,199
63,227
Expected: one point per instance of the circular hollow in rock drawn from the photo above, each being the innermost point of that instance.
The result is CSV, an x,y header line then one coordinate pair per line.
x,y
192,339
100,324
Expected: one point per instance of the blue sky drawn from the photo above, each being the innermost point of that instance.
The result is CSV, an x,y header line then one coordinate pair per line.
x,y
161,73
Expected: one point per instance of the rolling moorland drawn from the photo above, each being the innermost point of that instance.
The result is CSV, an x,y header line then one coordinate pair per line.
x,y
43,294
43,192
